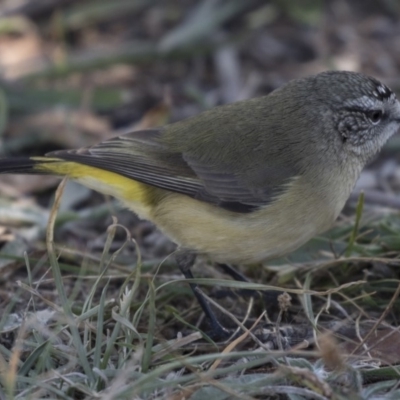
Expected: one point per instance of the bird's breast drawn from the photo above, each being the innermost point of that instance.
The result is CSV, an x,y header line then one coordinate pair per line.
x,y
304,210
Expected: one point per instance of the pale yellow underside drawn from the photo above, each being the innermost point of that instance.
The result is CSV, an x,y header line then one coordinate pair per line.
x,y
224,236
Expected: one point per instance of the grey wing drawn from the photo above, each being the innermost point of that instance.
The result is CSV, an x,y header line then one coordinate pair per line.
x,y
142,156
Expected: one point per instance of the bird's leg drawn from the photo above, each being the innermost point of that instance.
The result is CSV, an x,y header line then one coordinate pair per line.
x,y
232,272
185,261
270,296
237,276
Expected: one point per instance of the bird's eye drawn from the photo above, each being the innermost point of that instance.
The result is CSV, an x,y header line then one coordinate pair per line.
x,y
375,116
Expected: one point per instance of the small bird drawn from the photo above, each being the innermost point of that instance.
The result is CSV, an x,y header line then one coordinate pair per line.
x,y
245,182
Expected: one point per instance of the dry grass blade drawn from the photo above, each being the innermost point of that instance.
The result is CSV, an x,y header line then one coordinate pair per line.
x,y
380,319
59,283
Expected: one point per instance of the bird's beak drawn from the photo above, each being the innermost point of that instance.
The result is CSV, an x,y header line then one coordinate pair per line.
x,y
396,111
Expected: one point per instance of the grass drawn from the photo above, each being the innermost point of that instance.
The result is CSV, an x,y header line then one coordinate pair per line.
x,y
110,344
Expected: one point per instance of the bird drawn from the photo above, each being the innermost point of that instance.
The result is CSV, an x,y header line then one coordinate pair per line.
x,y
246,182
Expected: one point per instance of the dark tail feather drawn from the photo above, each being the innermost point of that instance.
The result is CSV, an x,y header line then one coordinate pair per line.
x,y
18,165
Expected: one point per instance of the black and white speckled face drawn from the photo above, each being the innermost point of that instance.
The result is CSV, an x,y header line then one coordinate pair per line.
x,y
382,92
366,113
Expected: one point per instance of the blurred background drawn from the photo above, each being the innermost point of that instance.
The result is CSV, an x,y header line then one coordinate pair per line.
x,y
73,73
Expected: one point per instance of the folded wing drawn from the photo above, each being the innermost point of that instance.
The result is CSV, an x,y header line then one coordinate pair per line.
x,y
142,156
